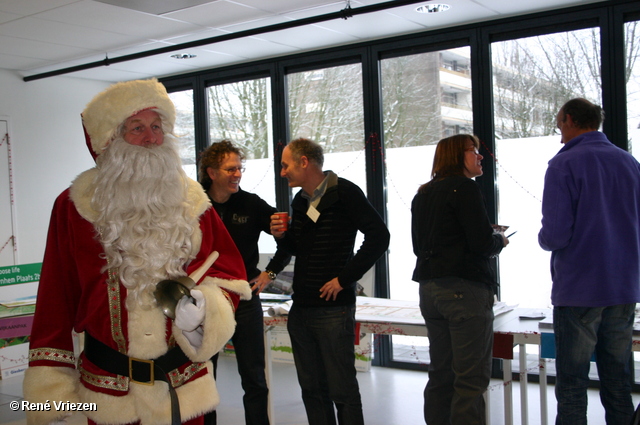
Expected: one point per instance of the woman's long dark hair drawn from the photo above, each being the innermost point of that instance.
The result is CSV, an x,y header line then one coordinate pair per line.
x,y
449,158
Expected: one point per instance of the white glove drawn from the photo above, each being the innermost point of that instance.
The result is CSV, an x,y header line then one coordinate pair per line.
x,y
189,315
195,337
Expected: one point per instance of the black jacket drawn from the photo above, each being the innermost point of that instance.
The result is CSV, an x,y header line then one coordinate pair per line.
x,y
451,232
324,249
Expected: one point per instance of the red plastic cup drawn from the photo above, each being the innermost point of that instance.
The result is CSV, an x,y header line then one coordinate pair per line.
x,y
284,216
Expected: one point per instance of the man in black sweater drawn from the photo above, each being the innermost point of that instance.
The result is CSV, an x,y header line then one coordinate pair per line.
x,y
326,216
246,216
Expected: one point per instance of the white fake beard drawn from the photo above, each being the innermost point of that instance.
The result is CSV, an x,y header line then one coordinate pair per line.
x,y
143,224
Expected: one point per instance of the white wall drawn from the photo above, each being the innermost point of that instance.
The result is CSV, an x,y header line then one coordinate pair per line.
x,y
47,148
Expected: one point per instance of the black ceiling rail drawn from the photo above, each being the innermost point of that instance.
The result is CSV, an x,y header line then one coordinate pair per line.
x,y
345,13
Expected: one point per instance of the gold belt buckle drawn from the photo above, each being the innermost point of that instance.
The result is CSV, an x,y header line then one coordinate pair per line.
x,y
151,373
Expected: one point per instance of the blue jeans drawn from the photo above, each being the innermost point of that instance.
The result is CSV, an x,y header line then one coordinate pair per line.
x,y
459,318
579,332
248,342
323,350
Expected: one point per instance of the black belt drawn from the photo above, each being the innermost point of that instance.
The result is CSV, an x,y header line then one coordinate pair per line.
x,y
140,371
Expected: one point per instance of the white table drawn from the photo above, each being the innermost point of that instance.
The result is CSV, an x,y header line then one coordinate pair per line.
x,y
394,317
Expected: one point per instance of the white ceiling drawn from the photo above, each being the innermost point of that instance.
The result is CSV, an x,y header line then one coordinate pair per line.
x,y
39,36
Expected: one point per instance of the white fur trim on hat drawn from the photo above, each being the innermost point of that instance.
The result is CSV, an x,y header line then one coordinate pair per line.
x,y
109,109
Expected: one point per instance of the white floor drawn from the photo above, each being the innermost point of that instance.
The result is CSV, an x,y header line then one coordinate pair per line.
x,y
390,397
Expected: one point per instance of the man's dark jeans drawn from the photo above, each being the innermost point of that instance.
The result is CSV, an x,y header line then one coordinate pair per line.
x,y
323,350
579,332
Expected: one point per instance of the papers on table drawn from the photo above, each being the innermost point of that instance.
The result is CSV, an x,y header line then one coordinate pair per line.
x,y
369,308
280,310
276,304
500,307
383,310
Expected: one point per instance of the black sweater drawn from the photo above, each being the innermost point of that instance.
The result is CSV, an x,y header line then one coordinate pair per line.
x,y
246,215
451,232
324,249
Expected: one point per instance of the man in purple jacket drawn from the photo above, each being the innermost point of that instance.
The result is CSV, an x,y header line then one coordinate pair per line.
x,y
591,225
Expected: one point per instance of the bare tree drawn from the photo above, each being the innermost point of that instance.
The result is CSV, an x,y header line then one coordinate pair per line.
x,y
184,126
533,77
325,105
411,95
239,112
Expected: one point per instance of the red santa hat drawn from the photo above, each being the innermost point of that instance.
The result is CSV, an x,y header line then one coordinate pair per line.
x,y
108,110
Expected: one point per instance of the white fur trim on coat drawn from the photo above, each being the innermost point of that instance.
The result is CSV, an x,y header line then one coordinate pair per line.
x,y
48,384
109,109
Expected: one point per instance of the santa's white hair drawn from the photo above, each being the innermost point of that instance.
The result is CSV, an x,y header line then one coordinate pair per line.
x,y
143,224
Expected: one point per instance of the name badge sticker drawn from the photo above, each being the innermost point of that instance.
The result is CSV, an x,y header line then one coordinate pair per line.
x,y
313,213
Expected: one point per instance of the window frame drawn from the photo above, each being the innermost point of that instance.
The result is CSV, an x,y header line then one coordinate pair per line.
x,y
608,16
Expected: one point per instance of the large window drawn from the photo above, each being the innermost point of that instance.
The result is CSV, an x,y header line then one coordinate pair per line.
x,y
325,105
425,97
184,129
532,78
241,112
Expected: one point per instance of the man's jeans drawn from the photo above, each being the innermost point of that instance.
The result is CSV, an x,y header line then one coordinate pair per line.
x,y
248,343
323,350
459,318
579,332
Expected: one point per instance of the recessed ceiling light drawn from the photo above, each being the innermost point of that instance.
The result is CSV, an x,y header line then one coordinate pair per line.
x,y
183,56
432,8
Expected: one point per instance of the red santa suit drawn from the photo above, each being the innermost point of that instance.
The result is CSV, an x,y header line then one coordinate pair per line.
x,y
75,294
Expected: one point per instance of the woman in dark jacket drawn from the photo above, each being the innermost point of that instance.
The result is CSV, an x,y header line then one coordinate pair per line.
x,y
453,241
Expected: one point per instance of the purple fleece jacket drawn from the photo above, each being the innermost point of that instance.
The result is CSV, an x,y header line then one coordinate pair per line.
x,y
591,223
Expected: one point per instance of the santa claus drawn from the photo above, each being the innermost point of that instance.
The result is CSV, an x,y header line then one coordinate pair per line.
x,y
132,221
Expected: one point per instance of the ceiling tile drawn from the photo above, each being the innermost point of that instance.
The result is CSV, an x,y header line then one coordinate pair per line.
x,y
256,24
287,6
110,74
53,66
156,7
103,17
29,7
7,17
39,50
301,13
218,14
509,7
250,48
138,48
70,35
308,37
195,36
459,11
152,66
364,27
16,63
202,60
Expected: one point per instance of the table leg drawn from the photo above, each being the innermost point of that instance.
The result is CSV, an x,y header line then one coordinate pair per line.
x,y
487,403
542,367
268,372
524,411
508,391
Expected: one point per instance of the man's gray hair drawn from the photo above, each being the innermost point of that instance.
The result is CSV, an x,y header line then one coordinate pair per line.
x,y
305,147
